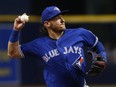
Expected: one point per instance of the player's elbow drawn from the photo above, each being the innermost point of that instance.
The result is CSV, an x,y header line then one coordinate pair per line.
x,y
14,54
10,55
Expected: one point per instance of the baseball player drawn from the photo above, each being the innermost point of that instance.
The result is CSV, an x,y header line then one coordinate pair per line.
x,y
61,50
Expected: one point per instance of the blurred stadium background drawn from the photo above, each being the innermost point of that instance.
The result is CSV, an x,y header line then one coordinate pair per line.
x,y
98,16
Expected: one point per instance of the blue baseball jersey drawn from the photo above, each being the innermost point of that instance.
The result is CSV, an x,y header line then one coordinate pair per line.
x,y
63,59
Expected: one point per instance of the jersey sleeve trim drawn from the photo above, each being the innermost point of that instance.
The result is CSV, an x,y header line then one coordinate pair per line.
x,y
21,53
95,42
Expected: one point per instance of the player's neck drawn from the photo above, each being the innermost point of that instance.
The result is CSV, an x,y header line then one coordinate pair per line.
x,y
55,35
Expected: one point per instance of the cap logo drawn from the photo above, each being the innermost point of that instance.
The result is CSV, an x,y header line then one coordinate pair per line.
x,y
56,9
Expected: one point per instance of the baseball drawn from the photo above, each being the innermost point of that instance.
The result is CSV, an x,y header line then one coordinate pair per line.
x,y
24,17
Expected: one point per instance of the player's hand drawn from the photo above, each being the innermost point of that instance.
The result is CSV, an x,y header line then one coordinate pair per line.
x,y
18,24
98,64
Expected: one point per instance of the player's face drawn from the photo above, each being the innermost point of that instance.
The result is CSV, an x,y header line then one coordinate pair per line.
x,y
57,23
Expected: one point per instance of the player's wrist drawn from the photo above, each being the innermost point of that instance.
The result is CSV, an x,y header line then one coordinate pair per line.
x,y
14,37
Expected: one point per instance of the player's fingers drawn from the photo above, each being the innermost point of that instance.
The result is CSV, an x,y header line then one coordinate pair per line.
x,y
18,20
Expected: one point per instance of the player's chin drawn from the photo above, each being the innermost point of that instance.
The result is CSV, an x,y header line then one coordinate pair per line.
x,y
62,27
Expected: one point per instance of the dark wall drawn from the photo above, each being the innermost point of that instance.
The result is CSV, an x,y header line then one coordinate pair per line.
x,y
15,6
35,7
75,6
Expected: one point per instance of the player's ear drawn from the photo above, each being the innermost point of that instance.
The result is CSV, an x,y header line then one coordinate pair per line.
x,y
46,23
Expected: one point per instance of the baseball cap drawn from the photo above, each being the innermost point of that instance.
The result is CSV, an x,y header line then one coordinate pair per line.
x,y
50,12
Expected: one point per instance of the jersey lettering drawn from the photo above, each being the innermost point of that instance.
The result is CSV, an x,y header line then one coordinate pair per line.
x,y
71,49
53,53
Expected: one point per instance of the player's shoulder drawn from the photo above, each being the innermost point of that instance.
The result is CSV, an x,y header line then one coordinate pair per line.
x,y
39,40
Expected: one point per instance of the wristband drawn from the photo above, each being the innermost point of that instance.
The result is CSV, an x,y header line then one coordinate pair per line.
x,y
14,36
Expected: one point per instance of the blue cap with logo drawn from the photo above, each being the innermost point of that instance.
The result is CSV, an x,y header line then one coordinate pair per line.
x,y
50,12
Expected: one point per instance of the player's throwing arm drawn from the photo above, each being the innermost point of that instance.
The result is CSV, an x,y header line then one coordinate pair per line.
x,y
13,44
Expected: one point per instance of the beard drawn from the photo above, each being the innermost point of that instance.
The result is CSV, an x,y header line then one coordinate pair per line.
x,y
58,29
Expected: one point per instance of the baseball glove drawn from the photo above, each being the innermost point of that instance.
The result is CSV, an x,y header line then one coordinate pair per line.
x,y
98,64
